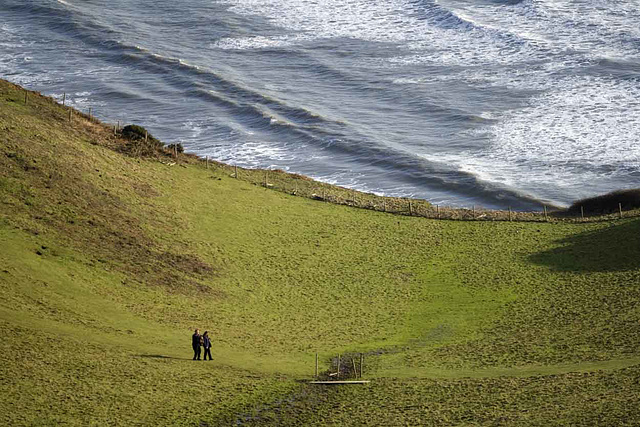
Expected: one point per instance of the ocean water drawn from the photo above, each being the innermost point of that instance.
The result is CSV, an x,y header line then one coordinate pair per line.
x,y
462,102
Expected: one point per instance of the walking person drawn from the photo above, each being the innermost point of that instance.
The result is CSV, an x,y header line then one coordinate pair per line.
x,y
207,345
195,343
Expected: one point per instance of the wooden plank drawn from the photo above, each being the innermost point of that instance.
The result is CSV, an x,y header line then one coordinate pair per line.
x,y
340,382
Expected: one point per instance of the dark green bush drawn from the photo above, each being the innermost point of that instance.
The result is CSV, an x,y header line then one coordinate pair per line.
x,y
141,141
135,132
608,203
138,133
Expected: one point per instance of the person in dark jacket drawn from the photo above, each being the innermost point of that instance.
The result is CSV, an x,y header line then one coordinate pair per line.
x,y
207,345
195,343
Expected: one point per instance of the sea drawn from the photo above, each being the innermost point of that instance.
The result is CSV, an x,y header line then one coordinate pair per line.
x,y
492,103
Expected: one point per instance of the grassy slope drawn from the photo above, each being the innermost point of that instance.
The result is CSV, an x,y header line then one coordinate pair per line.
x,y
108,263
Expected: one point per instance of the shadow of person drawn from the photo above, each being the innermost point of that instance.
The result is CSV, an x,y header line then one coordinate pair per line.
x,y
613,248
160,356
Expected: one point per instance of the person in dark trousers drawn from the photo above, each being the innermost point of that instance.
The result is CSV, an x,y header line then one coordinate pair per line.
x,y
207,345
195,343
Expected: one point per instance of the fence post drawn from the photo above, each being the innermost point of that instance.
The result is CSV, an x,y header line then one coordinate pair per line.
x,y
355,372
207,160
473,211
64,98
384,205
620,209
25,96
509,213
438,211
70,110
361,363
236,171
338,366
544,207
90,116
582,212
316,365
410,208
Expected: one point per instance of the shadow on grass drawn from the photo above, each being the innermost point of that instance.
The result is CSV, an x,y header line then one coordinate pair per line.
x,y
615,248
160,356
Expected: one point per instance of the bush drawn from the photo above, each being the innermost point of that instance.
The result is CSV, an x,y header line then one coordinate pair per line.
x,y
138,145
135,132
608,203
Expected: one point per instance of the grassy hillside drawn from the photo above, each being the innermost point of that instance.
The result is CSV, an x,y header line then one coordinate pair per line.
x,y
108,262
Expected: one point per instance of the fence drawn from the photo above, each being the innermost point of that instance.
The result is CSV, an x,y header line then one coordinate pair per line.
x,y
302,186
342,367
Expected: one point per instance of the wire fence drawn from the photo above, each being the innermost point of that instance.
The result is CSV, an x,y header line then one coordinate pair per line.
x,y
302,186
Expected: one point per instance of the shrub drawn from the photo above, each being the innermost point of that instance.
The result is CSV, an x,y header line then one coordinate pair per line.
x,y
138,145
135,132
608,203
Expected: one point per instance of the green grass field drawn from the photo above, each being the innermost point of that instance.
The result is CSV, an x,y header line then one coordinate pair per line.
x,y
108,262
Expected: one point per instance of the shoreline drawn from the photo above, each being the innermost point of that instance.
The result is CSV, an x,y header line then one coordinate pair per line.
x,y
304,186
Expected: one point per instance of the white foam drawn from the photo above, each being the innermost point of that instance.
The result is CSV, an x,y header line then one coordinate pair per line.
x,y
196,128
256,42
578,140
380,21
253,154
591,121
597,28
